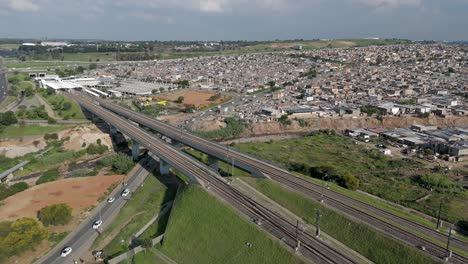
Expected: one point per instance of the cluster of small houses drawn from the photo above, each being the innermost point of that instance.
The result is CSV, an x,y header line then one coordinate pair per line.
x,y
449,142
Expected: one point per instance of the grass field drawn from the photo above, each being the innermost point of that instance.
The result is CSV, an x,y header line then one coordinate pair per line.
x,y
363,239
393,179
204,230
145,257
42,64
63,106
145,204
101,56
9,46
17,131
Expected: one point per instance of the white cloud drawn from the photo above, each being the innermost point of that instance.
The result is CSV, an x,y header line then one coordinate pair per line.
x,y
391,3
211,6
22,5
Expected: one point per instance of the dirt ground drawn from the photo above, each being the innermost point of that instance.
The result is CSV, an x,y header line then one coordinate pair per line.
x,y
192,97
79,193
13,148
85,134
88,134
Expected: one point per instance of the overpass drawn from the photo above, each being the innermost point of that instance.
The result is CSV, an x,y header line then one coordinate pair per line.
x,y
392,224
311,247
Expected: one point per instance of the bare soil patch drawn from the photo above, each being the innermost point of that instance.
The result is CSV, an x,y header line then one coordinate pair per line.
x,y
198,98
78,193
88,134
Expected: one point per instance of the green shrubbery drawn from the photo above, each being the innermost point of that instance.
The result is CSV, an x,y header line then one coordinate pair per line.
x,y
6,190
32,113
120,162
96,149
435,181
19,236
56,214
234,127
48,176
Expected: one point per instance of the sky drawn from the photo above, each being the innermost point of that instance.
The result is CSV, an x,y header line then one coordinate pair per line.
x,y
234,19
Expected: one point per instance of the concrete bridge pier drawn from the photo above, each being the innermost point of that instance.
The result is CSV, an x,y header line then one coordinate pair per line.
x,y
113,130
163,167
213,162
135,149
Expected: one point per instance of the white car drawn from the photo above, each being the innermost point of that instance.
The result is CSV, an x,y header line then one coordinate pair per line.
x,y
125,193
66,251
97,224
111,199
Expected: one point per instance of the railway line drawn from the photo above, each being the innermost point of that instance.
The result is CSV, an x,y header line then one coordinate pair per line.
x,y
355,208
311,246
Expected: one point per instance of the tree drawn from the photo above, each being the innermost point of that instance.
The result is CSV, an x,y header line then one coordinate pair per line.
x,y
80,69
429,151
272,84
184,84
56,214
8,118
161,89
92,66
179,100
51,120
349,181
284,120
52,136
154,91
19,236
66,106
190,108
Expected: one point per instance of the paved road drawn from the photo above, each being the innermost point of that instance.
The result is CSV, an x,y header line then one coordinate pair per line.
x,y
83,237
3,85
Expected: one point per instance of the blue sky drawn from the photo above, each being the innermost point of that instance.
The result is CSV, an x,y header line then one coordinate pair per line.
x,y
234,19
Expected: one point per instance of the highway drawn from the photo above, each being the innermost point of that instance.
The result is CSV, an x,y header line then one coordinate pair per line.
x,y
3,85
373,216
311,247
82,238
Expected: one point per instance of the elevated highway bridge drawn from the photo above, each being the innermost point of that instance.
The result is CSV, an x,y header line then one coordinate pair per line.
x,y
311,247
433,241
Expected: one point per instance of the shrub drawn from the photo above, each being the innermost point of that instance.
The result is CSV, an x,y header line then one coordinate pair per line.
x,y
120,162
349,181
56,214
52,136
51,120
436,181
6,190
96,149
48,176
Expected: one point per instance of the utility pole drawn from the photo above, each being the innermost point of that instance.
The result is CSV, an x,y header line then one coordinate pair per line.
x,y
438,215
298,243
317,222
449,252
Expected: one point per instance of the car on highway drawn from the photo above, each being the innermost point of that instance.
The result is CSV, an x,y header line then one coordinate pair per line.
x,y
66,251
125,193
110,199
97,224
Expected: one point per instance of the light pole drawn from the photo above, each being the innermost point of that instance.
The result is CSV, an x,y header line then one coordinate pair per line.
x,y
323,187
317,223
449,252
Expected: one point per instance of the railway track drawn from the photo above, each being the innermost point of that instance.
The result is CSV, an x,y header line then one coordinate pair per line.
x,y
355,208
311,247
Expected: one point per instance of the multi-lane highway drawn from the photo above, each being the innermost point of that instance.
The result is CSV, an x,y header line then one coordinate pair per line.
x,y
3,85
82,238
405,229
311,247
